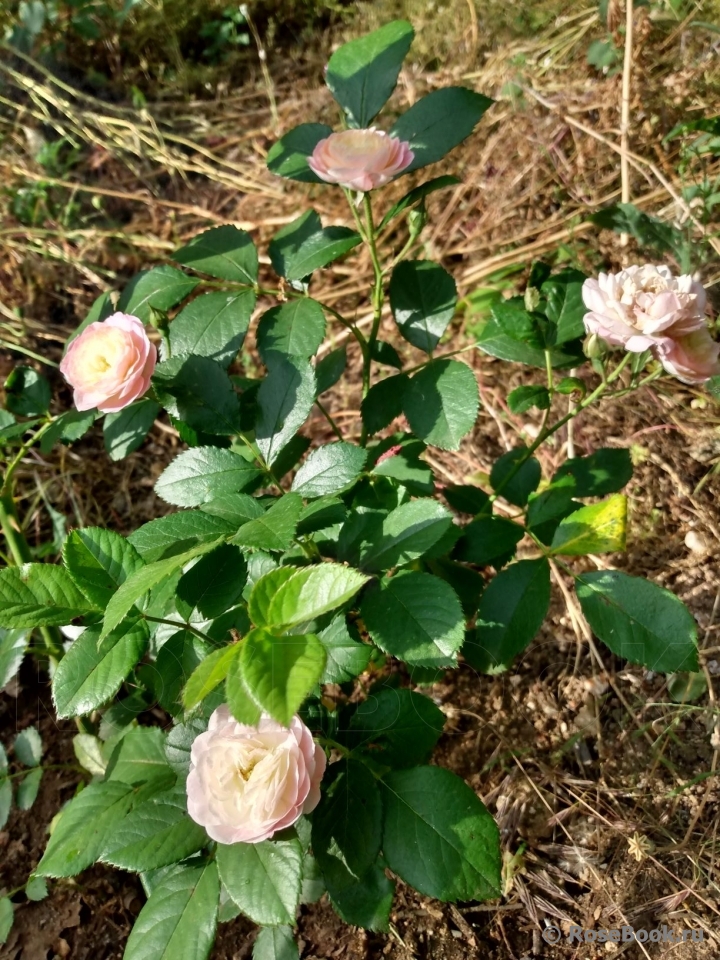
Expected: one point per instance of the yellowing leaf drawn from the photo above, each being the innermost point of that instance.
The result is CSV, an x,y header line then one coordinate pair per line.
x,y
599,528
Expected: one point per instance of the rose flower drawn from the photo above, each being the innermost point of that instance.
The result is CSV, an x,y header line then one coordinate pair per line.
x,y
109,364
647,308
360,159
246,783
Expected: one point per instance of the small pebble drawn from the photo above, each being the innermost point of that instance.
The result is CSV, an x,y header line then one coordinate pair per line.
x,y
696,542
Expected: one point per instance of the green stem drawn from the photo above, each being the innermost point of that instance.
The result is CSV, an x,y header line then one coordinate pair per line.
x,y
181,625
377,302
324,412
15,462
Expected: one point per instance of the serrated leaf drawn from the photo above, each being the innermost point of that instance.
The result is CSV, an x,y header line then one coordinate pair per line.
x,y
263,878
408,532
215,583
239,698
329,370
202,474
347,824
363,902
28,747
292,329
288,156
213,325
28,787
416,617
602,472
281,671
522,399
495,342
179,920
178,532
225,252
198,391
12,650
125,431
441,403
305,245
6,793
7,918
236,508
90,674
27,392
286,600
488,540
40,595
346,658
139,757
284,400
275,529
329,469
395,727
417,194
100,561
208,675
423,297
515,476
275,943
565,307
639,621
384,402
159,289
598,528
448,850
69,426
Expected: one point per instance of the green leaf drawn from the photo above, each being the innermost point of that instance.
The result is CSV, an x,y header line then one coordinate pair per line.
x,y
346,658
275,529
408,532
362,74
28,788
599,528
604,471
468,584
225,252
215,583
330,469
281,671
145,579
39,595
239,698
385,353
396,727
12,650
28,747
494,341
441,403
125,431
236,508
81,831
650,232
263,878
27,392
347,824
416,617
213,325
275,943
383,402
156,833
198,391
178,745
100,561
545,510
284,400
305,245
401,460
321,513
179,532
438,122
449,850
363,903
36,889
6,795
7,918
208,675
179,920
416,195
512,609
69,426
515,476
90,674
288,156
516,322
202,474
283,600
639,621
292,329
140,758
329,370
522,399
488,540
158,289
423,297
565,307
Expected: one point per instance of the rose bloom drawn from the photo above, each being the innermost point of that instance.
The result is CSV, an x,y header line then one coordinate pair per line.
x,y
647,308
246,783
109,364
360,159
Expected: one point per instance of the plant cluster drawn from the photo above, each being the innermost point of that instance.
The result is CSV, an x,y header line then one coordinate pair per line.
x,y
286,615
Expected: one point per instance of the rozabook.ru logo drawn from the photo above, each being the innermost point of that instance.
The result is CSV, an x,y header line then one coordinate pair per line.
x,y
626,934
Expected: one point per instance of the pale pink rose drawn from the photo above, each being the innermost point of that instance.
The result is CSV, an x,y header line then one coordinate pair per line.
x,y
109,364
648,308
246,783
360,159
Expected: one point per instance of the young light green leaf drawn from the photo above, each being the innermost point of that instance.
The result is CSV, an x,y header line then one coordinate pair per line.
x,y
158,289
408,532
441,403
125,431
329,470
284,400
91,673
281,671
639,621
198,391
213,325
292,329
179,920
140,757
208,675
263,878
438,122
598,528
512,609
275,943
100,561
283,601
28,747
423,298
416,617
448,850
28,788
275,529
80,833
12,650
202,474
225,252
239,698
305,245
289,155
40,595
88,751
7,918
362,74
36,889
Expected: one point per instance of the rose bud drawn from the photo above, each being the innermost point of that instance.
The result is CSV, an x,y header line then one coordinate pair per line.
x,y
360,159
248,782
648,308
109,364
